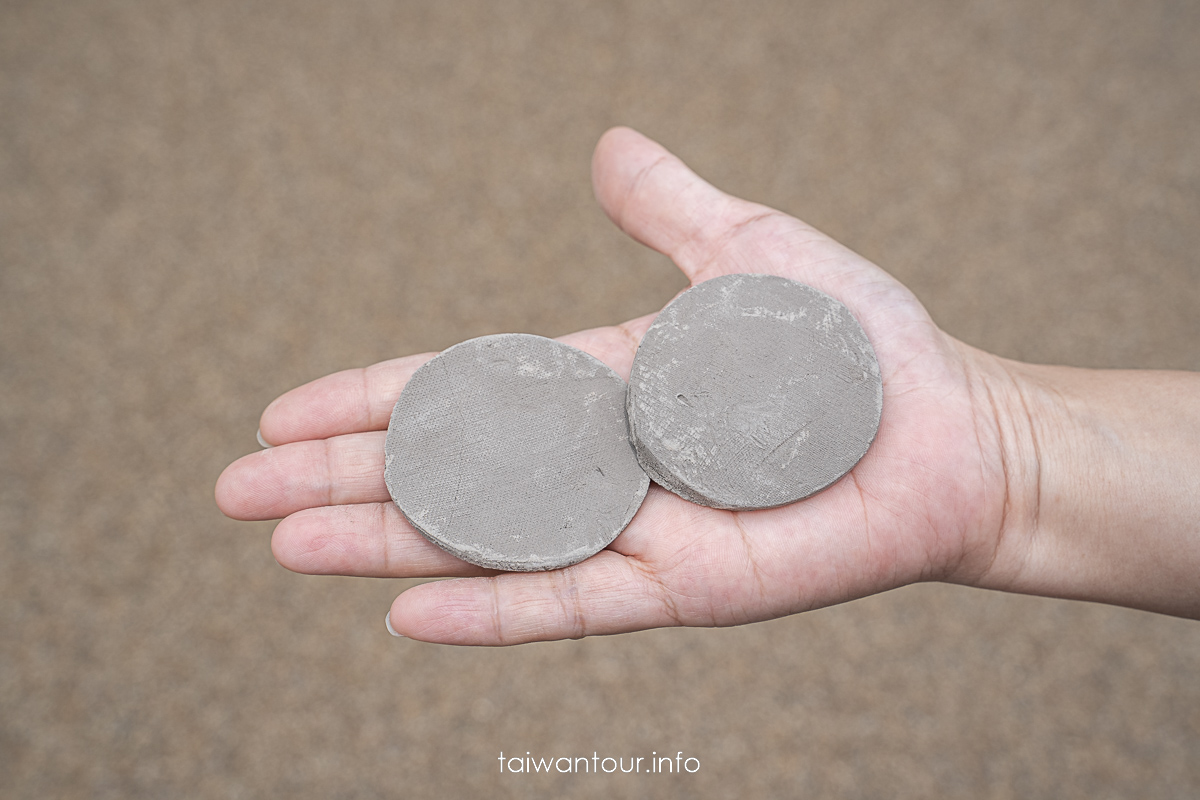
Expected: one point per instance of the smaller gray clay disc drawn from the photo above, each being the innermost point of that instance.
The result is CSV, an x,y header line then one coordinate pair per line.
x,y
753,391
512,452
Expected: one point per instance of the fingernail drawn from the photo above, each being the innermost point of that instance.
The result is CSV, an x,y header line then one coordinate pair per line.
x,y
387,620
261,440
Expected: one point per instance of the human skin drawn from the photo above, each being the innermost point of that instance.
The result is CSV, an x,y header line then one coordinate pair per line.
x,y
986,472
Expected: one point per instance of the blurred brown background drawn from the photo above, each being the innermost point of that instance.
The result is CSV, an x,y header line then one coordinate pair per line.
x,y
205,204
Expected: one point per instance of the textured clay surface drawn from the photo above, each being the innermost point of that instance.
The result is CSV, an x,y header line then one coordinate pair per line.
x,y
753,391
512,452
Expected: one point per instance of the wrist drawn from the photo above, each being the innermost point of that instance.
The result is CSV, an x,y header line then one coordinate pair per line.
x,y
1010,412
1103,485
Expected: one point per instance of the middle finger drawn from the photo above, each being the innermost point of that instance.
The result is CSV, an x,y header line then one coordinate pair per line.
x,y
279,481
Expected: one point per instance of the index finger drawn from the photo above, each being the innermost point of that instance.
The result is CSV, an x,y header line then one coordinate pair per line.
x,y
361,400
351,401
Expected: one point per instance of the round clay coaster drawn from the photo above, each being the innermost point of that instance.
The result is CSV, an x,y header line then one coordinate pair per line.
x,y
512,452
753,391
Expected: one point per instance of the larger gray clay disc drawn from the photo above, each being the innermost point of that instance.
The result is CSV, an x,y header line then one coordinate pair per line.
x,y
512,452
753,391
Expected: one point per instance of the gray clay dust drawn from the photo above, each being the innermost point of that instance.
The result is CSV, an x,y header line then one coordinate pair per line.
x,y
512,452
753,391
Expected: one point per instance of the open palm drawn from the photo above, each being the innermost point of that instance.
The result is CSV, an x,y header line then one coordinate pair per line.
x,y
927,501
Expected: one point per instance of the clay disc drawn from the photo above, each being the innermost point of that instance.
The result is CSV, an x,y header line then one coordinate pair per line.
x,y
512,452
753,391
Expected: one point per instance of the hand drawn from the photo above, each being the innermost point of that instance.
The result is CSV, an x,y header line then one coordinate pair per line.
x,y
947,476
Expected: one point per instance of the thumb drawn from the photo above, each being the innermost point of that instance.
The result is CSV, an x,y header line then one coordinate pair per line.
x,y
656,199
